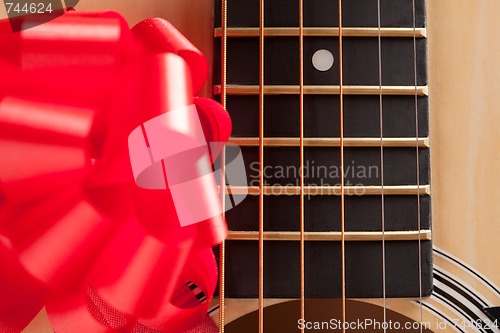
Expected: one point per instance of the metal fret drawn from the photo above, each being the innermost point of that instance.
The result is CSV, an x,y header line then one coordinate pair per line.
x,y
236,89
323,32
363,236
277,190
331,142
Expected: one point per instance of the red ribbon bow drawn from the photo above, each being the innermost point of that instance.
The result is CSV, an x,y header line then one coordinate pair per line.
x,y
77,234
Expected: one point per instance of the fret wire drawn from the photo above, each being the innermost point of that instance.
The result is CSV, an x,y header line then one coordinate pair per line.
x,y
301,144
381,122
331,236
261,166
277,190
342,198
329,142
417,162
323,32
235,89
222,249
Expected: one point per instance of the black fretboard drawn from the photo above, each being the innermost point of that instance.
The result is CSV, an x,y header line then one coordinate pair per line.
x,y
406,199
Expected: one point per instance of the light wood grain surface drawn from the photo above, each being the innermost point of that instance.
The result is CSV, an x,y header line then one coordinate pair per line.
x,y
464,54
464,74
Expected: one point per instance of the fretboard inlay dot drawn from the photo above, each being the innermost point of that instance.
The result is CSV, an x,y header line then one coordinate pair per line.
x,y
322,60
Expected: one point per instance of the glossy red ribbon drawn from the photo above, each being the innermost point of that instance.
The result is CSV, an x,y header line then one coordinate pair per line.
x,y
77,235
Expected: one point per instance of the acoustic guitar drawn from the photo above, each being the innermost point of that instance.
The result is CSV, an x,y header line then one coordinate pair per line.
x,y
316,87
310,264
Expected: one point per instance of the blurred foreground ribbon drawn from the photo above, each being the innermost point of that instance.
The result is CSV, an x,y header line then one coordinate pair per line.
x,y
88,105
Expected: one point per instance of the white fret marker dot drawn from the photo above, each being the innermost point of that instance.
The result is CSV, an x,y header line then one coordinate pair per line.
x,y
322,60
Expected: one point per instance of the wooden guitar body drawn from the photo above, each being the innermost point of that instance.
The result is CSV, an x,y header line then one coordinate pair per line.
x,y
463,50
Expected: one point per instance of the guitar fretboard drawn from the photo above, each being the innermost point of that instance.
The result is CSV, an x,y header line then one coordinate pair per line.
x,y
404,195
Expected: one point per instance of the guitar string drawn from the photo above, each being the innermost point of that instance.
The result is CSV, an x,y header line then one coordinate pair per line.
x,y
261,167
301,144
417,163
341,139
381,122
222,249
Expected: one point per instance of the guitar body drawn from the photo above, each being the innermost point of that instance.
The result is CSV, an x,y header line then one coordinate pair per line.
x,y
464,138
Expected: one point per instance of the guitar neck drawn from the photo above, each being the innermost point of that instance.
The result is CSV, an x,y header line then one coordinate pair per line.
x,y
343,178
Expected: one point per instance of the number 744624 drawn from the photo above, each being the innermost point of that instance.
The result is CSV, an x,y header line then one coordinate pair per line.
x,y
28,8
